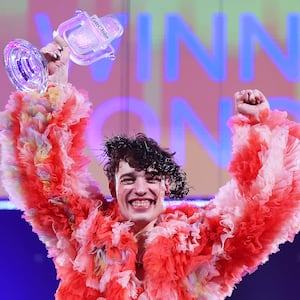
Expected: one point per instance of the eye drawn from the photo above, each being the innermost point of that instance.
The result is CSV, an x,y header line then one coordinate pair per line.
x,y
153,178
127,180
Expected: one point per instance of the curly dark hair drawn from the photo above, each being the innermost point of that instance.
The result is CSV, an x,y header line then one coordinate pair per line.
x,y
142,153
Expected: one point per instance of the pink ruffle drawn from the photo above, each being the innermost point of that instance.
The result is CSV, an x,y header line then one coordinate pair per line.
x,y
192,252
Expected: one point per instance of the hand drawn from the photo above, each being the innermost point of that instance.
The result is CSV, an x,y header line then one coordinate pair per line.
x,y
251,103
57,55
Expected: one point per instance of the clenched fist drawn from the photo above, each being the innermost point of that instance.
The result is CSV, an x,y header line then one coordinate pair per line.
x,y
251,103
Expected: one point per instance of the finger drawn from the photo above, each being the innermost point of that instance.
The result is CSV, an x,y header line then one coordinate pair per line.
x,y
247,96
258,96
52,55
52,51
239,95
261,95
251,97
59,40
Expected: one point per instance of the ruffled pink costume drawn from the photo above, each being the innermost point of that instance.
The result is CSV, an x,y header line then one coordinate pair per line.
x,y
192,252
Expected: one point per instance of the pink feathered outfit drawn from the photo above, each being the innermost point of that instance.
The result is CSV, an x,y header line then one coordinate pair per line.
x,y
192,252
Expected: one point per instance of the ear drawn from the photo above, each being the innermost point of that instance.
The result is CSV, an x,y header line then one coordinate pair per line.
x,y
112,189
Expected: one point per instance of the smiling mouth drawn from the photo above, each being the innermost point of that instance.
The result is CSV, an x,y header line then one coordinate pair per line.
x,y
141,203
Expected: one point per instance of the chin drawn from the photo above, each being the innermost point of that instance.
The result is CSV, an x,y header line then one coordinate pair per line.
x,y
142,219
141,224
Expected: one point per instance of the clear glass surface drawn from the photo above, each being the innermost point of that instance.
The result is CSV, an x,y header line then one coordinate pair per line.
x,y
88,38
26,66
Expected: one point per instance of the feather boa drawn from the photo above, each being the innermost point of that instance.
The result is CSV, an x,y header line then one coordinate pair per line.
x,y
192,252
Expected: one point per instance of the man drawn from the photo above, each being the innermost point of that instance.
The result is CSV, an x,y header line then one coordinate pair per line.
x,y
132,247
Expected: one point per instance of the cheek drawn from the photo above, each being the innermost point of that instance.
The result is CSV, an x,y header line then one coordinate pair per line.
x,y
122,201
162,190
121,194
159,192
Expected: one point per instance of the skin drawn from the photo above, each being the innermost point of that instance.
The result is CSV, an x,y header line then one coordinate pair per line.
x,y
140,195
57,55
251,103
131,185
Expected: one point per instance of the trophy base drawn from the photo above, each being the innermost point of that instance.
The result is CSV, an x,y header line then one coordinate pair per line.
x,y
26,66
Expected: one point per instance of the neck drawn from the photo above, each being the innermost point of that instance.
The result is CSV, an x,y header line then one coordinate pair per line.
x,y
141,231
140,228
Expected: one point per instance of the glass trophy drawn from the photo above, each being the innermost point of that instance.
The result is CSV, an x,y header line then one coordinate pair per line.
x,y
88,38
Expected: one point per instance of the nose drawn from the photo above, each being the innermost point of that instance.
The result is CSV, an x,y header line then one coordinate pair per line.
x,y
140,186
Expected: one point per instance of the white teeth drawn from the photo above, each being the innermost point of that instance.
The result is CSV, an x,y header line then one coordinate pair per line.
x,y
141,203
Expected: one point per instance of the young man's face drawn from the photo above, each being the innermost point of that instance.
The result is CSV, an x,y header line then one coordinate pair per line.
x,y
140,194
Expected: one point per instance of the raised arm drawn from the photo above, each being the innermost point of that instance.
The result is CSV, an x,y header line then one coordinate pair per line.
x,y
259,208
43,166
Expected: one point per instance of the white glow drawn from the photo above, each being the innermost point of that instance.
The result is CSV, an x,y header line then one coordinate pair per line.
x,y
7,205
194,202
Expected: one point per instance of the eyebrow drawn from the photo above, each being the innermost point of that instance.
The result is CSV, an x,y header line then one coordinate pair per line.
x,y
152,172
131,174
